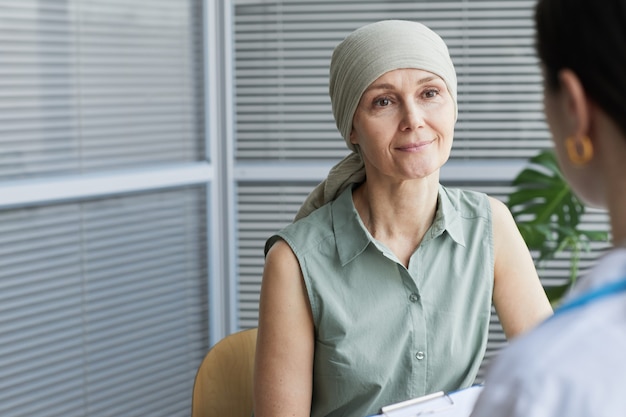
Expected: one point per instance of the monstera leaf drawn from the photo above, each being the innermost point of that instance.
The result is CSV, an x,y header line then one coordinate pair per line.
x,y
548,215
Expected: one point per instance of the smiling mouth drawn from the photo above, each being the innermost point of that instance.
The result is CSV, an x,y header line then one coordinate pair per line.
x,y
415,146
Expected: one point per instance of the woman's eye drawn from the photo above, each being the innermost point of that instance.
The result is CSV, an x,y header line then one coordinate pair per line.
x,y
382,102
431,93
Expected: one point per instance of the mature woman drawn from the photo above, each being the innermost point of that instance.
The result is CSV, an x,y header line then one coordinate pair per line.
x,y
573,365
382,289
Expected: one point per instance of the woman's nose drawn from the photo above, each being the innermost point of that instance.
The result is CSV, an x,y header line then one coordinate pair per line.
x,y
413,116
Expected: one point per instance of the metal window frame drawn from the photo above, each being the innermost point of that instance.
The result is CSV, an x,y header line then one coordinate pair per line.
x,y
220,156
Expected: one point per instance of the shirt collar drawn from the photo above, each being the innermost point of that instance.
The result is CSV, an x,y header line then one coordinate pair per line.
x,y
447,219
352,237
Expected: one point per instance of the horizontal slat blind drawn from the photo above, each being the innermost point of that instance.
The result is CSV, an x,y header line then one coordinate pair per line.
x,y
262,209
87,85
103,306
265,207
283,49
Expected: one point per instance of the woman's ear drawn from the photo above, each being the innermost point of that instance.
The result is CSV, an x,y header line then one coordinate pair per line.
x,y
576,103
353,137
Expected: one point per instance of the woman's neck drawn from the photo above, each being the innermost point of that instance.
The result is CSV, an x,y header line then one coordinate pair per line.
x,y
398,215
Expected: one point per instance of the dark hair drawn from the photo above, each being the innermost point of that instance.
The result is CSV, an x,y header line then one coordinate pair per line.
x,y
588,37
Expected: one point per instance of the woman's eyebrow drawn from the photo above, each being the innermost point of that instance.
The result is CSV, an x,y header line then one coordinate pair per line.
x,y
387,86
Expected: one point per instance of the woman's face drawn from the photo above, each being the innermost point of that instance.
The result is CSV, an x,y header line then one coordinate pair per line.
x,y
404,125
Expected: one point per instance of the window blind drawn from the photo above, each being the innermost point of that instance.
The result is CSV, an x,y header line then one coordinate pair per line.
x,y
263,208
90,85
104,306
103,294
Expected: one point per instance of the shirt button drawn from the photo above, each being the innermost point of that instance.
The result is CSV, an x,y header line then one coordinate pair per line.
x,y
419,355
414,297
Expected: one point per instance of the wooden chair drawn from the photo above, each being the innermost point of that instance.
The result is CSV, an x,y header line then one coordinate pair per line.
x,y
223,383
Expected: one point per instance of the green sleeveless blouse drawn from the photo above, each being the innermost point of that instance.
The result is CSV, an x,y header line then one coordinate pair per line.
x,y
385,333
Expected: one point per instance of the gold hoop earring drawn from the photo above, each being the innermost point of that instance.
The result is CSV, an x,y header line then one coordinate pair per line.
x,y
579,150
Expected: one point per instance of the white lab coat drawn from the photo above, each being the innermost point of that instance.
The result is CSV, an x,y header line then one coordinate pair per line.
x,y
572,365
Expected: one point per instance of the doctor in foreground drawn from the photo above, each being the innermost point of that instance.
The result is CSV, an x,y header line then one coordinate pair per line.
x,y
573,365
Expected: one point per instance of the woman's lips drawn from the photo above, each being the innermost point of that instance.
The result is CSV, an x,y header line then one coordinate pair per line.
x,y
412,147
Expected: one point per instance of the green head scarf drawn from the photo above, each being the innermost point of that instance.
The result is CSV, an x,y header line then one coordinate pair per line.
x,y
360,59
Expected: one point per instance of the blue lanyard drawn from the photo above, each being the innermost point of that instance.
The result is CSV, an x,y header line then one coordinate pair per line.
x,y
604,291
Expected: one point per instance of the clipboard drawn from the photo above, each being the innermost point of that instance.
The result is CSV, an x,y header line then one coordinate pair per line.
x,y
453,404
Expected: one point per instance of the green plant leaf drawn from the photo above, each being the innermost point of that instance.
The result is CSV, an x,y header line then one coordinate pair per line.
x,y
548,214
528,176
547,160
595,235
